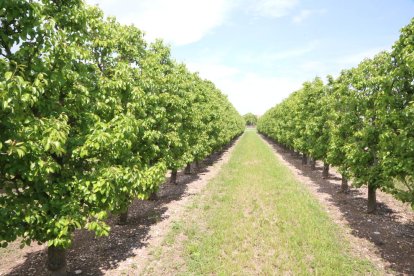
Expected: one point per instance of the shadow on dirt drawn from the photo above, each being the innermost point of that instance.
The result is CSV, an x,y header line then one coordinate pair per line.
x,y
92,255
393,239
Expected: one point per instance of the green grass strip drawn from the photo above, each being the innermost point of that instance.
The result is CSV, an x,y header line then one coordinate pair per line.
x,y
255,218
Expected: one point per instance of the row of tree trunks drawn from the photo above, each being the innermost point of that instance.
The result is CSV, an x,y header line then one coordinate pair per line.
x,y
308,160
56,255
123,217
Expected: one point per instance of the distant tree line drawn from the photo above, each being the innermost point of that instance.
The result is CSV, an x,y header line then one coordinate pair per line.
x,y
250,119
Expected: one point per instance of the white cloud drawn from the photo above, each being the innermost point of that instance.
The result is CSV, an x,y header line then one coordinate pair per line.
x,y
182,22
305,14
212,70
247,91
273,8
256,93
295,52
178,22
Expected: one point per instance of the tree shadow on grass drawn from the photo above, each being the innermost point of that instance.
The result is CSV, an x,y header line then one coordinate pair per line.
x,y
93,255
393,239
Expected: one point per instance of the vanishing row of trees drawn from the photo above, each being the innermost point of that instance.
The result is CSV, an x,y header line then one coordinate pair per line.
x,y
91,117
361,122
250,119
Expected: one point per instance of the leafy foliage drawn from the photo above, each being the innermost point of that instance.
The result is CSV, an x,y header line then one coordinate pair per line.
x,y
250,119
361,122
91,118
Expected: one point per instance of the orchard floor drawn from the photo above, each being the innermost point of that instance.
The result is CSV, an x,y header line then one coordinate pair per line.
x,y
252,210
127,247
385,237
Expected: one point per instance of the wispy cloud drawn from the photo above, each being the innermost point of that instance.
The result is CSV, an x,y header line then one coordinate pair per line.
x,y
274,55
272,8
295,52
179,22
305,14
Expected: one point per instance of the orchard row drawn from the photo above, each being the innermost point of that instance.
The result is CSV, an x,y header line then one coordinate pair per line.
x,y
92,117
360,122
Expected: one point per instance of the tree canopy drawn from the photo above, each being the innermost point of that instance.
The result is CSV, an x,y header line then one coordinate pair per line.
x,y
360,122
250,119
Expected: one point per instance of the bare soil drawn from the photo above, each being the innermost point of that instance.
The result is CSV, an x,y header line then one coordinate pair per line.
x,y
385,237
126,249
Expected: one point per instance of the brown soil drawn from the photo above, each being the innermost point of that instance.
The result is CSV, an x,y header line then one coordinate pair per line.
x,y
126,249
386,237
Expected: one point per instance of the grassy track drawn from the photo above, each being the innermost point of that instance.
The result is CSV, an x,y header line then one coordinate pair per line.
x,y
256,218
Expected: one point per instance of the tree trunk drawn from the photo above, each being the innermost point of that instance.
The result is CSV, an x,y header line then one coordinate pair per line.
x,y
312,163
123,218
173,178
325,171
304,159
344,185
372,199
187,169
56,260
153,196
197,165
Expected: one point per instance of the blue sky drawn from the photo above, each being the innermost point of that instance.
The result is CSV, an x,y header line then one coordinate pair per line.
x,y
259,51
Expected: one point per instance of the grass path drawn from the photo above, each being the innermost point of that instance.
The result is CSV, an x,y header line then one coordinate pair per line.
x,y
255,218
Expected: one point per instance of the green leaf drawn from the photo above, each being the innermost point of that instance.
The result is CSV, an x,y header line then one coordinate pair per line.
x,y
8,75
